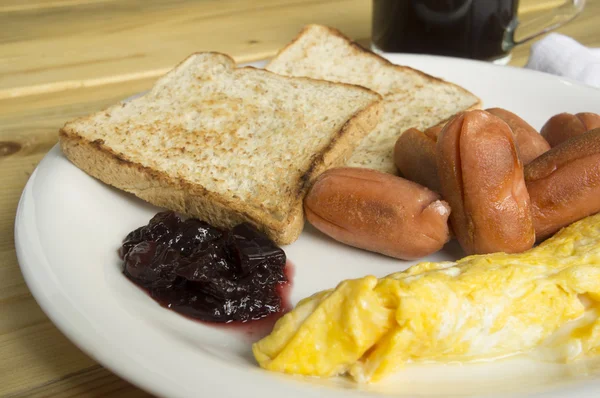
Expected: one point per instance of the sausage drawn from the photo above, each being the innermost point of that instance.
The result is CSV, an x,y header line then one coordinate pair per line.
x,y
564,183
434,131
563,126
529,142
414,156
378,212
481,177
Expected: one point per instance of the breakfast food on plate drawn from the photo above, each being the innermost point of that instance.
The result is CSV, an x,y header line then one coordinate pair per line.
x,y
415,158
225,144
378,212
204,272
481,177
253,152
563,126
412,99
529,142
564,183
478,308
434,131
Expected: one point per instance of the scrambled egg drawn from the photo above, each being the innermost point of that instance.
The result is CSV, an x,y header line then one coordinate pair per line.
x,y
480,307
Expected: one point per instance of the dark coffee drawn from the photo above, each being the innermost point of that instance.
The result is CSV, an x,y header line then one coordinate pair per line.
x,y
460,28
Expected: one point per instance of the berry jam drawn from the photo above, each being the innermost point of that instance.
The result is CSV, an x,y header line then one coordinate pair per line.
x,y
206,273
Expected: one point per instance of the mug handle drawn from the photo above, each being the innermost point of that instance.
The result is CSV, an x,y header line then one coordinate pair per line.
x,y
541,24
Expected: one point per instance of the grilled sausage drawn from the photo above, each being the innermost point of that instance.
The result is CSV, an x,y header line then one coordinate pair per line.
x,y
378,212
529,142
564,183
481,177
414,156
563,126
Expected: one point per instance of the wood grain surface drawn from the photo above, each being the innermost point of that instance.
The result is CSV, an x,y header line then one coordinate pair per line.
x,y
63,58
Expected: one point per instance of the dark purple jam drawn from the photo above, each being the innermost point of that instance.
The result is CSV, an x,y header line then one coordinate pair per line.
x,y
204,272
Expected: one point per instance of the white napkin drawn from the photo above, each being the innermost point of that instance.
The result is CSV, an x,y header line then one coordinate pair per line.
x,y
561,55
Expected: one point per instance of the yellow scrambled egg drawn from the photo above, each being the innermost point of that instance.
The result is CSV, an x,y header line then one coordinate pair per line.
x,y
480,307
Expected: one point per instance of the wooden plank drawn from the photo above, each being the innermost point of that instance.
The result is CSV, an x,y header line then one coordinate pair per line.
x,y
147,37
38,354
37,58
19,5
37,360
526,6
22,5
90,382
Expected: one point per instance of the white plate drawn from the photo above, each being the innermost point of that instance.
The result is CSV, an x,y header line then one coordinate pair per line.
x,y
69,227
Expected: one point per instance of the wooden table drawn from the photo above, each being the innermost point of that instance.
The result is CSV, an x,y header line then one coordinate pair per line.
x,y
64,58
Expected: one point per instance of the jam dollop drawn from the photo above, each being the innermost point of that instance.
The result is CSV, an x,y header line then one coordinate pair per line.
x,y
204,272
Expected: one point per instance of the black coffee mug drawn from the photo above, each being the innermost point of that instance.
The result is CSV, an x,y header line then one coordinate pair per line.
x,y
477,29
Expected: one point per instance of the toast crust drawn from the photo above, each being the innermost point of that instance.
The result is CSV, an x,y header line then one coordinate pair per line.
x,y
101,161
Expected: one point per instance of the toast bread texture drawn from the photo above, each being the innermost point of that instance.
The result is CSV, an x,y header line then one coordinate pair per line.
x,y
412,99
225,144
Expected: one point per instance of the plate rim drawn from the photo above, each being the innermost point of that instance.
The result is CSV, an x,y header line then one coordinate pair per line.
x,y
90,346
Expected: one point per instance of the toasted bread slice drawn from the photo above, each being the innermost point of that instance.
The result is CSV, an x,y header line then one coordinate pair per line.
x,y
225,144
411,98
